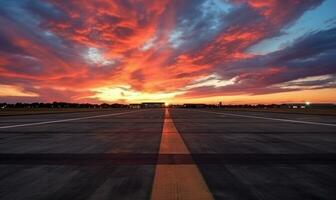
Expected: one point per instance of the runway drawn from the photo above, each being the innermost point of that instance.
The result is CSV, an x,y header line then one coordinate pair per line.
x,y
116,155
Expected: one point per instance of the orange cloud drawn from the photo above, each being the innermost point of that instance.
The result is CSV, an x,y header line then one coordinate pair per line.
x,y
80,51
15,91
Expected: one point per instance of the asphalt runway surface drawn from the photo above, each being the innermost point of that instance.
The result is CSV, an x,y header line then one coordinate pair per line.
x,y
116,154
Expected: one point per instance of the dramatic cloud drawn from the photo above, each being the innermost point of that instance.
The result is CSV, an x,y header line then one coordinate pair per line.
x,y
141,50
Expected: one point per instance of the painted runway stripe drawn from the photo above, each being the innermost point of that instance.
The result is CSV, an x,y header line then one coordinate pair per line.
x,y
177,181
64,120
270,118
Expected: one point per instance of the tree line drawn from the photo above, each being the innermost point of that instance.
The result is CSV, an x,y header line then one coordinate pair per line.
x,y
61,105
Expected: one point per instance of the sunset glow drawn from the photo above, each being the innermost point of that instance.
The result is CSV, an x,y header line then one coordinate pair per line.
x,y
183,51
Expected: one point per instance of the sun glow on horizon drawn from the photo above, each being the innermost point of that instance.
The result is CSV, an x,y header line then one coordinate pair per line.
x,y
127,94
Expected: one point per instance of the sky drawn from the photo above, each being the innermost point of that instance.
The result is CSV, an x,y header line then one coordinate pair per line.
x,y
176,51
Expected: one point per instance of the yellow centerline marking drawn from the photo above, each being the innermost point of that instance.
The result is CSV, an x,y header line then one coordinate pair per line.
x,y
172,182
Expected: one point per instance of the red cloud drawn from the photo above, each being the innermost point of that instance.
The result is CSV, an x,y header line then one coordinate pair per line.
x,y
120,29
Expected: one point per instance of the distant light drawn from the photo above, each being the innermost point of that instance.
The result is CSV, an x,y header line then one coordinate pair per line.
x,y
166,104
307,103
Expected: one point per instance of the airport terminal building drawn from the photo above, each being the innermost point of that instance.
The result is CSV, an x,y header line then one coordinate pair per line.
x,y
152,105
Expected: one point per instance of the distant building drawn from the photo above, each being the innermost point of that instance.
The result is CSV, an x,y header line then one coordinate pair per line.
x,y
309,105
152,105
294,105
135,105
194,105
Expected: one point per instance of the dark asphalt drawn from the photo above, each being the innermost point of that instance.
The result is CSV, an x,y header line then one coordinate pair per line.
x,y
114,157
262,159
